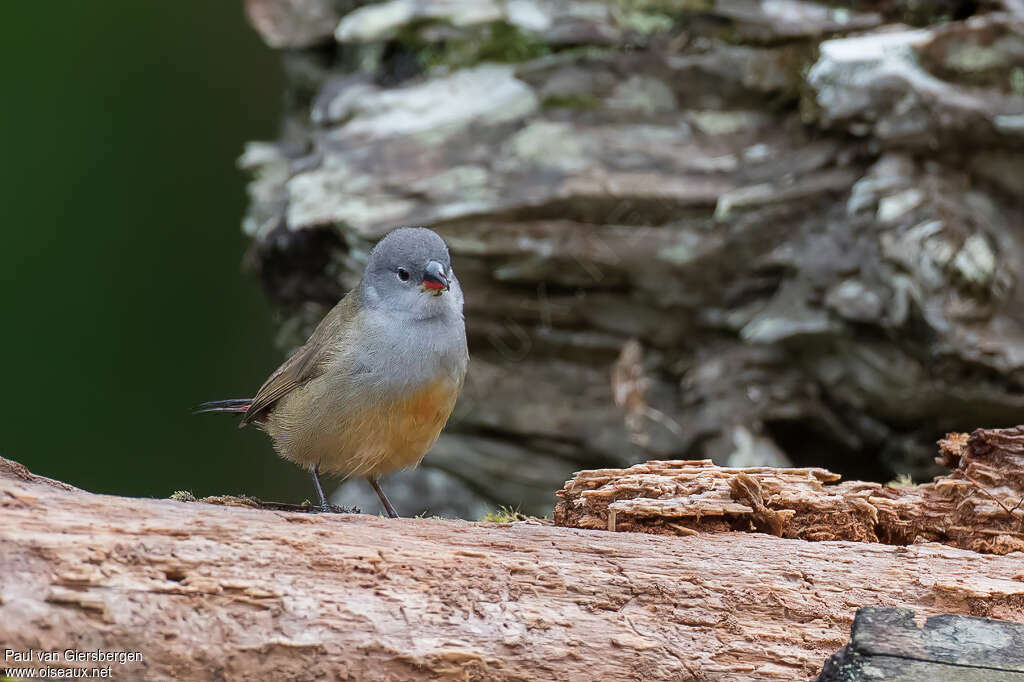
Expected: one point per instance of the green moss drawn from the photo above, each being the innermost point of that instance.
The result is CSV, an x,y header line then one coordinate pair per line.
x,y
669,7
503,515
656,16
497,42
645,23
579,102
508,43
902,481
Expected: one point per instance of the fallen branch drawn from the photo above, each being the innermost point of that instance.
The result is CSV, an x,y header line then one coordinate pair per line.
x,y
207,591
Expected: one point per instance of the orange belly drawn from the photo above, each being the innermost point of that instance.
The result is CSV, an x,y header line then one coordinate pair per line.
x,y
415,424
371,440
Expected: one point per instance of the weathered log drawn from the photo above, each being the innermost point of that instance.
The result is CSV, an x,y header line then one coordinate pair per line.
x,y
887,645
806,218
210,592
979,505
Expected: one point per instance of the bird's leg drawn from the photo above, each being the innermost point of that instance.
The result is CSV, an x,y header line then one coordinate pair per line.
x,y
383,498
324,507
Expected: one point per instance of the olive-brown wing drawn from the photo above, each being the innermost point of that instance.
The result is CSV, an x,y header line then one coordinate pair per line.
x,y
308,362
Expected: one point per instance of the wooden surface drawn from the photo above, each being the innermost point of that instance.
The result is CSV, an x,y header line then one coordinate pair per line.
x,y
220,592
888,644
978,505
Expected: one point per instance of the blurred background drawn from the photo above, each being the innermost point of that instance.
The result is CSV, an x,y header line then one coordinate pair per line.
x,y
764,233
124,301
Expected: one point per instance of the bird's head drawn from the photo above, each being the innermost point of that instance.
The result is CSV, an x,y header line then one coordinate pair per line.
x,y
410,271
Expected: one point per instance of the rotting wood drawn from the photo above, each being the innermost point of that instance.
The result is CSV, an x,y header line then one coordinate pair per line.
x,y
979,505
231,592
887,644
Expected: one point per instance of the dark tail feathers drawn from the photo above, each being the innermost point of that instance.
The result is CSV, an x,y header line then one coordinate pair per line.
x,y
235,405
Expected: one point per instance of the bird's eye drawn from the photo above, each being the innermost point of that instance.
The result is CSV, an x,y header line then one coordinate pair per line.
x,y
403,274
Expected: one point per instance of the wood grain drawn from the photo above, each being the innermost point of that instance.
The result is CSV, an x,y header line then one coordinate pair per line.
x,y
221,592
888,644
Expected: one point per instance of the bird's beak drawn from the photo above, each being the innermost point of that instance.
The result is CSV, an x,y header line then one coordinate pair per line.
x,y
435,279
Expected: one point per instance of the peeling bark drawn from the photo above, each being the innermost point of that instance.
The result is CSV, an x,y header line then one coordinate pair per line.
x,y
979,505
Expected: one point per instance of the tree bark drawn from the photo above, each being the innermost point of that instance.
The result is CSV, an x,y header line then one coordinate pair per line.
x,y
805,213
887,645
209,592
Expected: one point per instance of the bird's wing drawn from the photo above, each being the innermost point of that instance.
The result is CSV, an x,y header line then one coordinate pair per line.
x,y
308,362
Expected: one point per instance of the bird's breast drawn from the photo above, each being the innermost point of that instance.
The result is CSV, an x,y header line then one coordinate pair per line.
x,y
397,432
379,406
426,403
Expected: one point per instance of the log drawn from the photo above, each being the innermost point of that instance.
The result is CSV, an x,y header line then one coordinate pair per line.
x,y
887,645
979,505
204,591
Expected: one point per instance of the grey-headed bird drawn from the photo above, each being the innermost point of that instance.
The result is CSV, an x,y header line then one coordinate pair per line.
x,y
370,391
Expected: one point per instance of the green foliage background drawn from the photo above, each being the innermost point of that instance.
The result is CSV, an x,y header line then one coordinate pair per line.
x,y
122,298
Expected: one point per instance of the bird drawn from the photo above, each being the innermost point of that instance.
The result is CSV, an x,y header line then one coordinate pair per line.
x,y
373,386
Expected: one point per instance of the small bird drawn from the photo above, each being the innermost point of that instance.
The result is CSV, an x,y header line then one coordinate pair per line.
x,y
370,391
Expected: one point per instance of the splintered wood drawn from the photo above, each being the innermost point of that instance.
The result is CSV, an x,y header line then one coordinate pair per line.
x,y
235,592
979,505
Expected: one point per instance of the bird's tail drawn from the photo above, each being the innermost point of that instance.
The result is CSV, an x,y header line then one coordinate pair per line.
x,y
234,405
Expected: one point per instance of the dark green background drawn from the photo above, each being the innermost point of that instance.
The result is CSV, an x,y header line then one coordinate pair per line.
x,y
121,289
